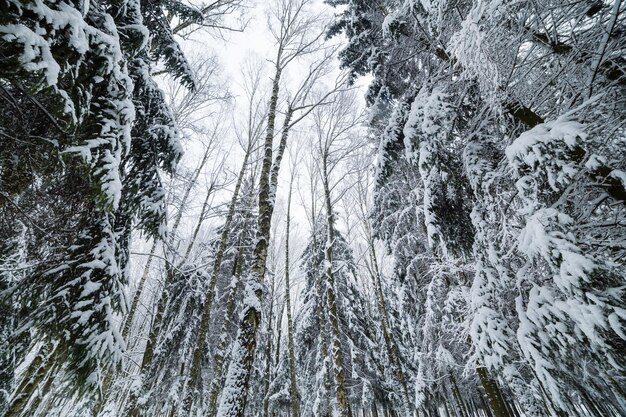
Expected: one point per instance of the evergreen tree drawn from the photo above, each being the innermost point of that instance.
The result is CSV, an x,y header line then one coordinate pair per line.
x,y
356,330
477,89
107,135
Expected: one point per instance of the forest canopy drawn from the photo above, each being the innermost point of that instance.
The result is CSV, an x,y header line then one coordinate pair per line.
x,y
312,208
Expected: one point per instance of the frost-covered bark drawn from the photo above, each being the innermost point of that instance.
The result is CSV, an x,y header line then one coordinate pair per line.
x,y
390,343
218,364
336,348
293,388
205,317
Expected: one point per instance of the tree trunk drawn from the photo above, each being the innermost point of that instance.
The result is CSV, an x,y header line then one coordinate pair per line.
x,y
218,362
234,398
133,307
107,381
323,347
321,318
279,334
194,372
33,376
155,328
196,230
268,354
293,389
390,343
188,188
458,397
494,395
148,353
337,352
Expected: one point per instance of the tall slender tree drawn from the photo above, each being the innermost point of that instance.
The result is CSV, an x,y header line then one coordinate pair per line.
x,y
296,34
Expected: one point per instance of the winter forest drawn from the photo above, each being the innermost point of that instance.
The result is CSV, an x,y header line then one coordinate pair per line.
x,y
303,208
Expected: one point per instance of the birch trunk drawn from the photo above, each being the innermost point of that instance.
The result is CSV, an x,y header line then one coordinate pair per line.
x,y
155,328
293,389
337,352
279,334
268,354
196,230
390,343
235,395
194,372
218,363
186,194
321,318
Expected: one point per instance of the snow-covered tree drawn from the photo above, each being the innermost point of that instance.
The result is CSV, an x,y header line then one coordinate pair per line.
x,y
493,151
109,136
